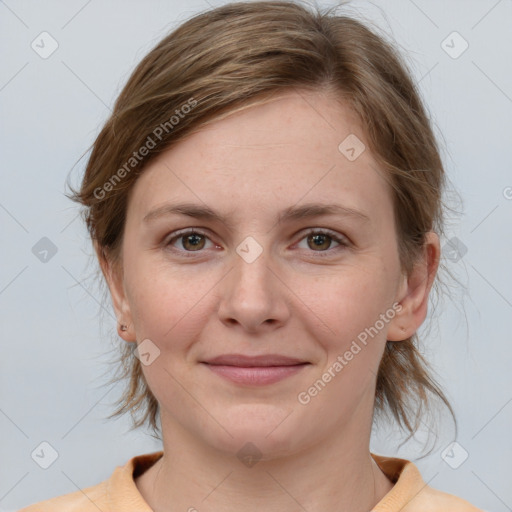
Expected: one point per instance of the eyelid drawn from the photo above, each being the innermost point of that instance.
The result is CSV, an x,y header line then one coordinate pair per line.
x,y
176,235
340,239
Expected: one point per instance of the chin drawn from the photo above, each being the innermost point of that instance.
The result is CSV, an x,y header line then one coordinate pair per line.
x,y
270,431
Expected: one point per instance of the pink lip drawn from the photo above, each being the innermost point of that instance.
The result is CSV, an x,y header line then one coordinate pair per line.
x,y
257,370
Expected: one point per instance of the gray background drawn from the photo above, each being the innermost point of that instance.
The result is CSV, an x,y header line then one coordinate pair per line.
x,y
55,343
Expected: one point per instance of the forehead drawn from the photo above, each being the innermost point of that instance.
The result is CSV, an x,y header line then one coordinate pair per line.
x,y
299,146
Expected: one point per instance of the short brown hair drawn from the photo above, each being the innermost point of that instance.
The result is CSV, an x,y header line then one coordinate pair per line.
x,y
242,53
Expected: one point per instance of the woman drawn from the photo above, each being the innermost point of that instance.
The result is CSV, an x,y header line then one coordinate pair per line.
x,y
265,205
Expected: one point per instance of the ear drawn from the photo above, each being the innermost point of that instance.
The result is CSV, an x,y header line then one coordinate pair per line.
x,y
114,277
414,291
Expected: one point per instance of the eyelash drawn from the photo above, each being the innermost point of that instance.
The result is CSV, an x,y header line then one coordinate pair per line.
x,y
342,241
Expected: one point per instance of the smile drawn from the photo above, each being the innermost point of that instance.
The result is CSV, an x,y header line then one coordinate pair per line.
x,y
255,371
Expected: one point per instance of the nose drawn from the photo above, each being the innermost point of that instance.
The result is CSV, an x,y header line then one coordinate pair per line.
x,y
253,296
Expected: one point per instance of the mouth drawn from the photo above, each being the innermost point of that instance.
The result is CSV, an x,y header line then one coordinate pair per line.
x,y
255,370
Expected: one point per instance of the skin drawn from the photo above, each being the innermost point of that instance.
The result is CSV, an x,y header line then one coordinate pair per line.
x,y
249,166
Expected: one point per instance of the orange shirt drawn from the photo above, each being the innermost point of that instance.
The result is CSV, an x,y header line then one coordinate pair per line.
x,y
120,494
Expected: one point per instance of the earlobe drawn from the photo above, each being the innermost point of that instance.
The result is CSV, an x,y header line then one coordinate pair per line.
x,y
414,291
114,280
125,332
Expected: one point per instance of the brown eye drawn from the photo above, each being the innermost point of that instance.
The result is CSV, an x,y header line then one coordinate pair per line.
x,y
319,241
188,241
192,242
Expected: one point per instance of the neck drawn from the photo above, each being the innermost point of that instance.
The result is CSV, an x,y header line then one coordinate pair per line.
x,y
336,474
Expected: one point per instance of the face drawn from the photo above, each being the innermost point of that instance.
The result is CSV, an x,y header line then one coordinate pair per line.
x,y
258,236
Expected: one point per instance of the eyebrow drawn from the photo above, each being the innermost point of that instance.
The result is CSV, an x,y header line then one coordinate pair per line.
x,y
289,214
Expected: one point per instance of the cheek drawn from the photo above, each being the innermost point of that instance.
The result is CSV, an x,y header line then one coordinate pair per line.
x,y
164,301
350,300
168,308
353,347
356,305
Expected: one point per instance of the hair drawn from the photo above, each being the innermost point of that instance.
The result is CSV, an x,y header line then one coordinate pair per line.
x,y
241,54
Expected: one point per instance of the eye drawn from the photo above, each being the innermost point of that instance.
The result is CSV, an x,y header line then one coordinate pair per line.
x,y
318,240
321,241
190,241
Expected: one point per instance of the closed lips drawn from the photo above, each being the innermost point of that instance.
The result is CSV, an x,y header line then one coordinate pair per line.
x,y
262,370
254,361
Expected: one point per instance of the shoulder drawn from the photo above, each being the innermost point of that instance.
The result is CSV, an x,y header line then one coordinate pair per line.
x,y
119,492
85,500
411,494
433,500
